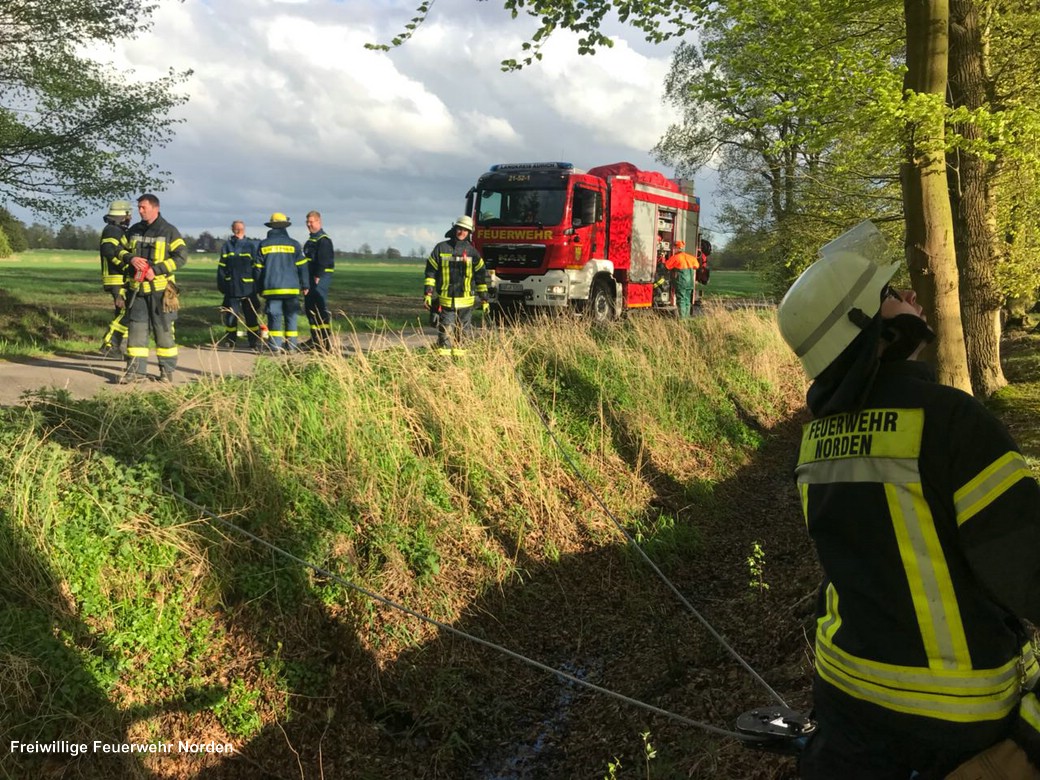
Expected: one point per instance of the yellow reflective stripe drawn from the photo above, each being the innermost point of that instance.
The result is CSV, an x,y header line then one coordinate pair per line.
x,y
283,291
988,697
136,352
429,281
990,483
1029,709
803,489
177,243
947,682
301,261
110,279
928,577
895,471
828,623
110,240
459,300
270,248
166,351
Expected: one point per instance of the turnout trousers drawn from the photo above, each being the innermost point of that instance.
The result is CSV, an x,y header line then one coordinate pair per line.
x,y
316,304
237,312
117,330
454,327
144,317
282,317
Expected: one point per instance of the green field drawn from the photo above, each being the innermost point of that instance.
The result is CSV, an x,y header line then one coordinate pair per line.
x,y
52,300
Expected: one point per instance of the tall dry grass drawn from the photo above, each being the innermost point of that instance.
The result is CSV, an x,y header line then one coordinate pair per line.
x,y
428,480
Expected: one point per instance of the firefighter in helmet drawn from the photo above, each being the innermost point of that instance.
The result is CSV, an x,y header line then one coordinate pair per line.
x,y
926,521
281,278
113,239
456,277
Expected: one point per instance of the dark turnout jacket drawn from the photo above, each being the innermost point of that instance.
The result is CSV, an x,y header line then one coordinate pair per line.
x,y
926,520
455,273
159,243
281,266
236,267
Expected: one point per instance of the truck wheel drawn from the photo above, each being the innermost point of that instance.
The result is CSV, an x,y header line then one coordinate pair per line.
x,y
601,302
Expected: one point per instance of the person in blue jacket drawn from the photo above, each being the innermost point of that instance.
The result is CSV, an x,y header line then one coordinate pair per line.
x,y
235,279
321,262
281,278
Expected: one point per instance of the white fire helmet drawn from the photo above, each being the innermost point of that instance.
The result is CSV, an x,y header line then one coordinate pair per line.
x,y
464,222
814,315
119,208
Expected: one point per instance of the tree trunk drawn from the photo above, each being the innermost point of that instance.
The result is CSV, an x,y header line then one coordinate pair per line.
x,y
926,200
974,210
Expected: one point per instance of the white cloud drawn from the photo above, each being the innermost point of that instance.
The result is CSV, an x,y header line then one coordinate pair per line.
x,y
288,111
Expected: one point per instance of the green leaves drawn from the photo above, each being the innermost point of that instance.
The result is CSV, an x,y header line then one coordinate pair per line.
x,y
73,134
659,20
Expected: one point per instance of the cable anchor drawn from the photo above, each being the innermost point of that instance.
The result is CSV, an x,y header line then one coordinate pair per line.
x,y
775,729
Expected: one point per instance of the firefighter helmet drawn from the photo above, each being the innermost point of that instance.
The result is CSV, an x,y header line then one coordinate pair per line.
x,y
465,222
829,304
278,220
680,244
118,208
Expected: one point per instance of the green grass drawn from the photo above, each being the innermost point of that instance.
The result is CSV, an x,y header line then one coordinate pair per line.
x,y
430,483
52,300
733,284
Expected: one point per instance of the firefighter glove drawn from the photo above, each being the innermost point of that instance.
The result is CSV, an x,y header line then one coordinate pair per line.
x,y
485,307
427,300
139,263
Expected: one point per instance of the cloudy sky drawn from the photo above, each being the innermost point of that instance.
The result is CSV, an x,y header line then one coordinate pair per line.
x,y
288,111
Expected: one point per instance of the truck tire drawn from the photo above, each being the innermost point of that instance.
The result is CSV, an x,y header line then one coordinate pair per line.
x,y
601,302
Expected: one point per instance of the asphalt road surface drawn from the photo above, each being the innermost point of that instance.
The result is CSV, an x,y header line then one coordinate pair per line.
x,y
84,376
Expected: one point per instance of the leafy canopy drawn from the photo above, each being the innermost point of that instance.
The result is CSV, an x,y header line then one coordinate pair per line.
x,y
72,132
659,20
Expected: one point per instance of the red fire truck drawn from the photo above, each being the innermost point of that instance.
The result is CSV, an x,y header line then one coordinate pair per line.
x,y
557,236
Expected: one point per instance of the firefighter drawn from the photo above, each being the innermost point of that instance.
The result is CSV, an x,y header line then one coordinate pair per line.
x,y
455,274
703,272
154,252
321,262
235,271
926,521
684,265
662,280
281,276
113,239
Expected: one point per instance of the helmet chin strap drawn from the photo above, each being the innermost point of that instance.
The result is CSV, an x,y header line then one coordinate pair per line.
x,y
903,335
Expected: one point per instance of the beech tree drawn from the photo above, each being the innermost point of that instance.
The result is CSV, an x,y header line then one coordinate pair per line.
x,y
73,133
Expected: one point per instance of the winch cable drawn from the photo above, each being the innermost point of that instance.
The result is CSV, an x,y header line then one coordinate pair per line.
x,y
742,737
632,542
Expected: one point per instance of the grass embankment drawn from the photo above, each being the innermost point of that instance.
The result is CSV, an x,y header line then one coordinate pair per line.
x,y
52,300
127,617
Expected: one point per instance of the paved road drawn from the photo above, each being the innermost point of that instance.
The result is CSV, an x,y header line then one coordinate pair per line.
x,y
84,376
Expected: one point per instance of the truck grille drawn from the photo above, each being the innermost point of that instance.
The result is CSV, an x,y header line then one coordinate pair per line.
x,y
505,257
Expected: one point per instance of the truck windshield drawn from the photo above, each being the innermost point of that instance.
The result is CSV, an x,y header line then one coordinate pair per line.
x,y
539,207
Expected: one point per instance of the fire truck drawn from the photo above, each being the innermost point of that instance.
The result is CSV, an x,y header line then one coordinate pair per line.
x,y
555,236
